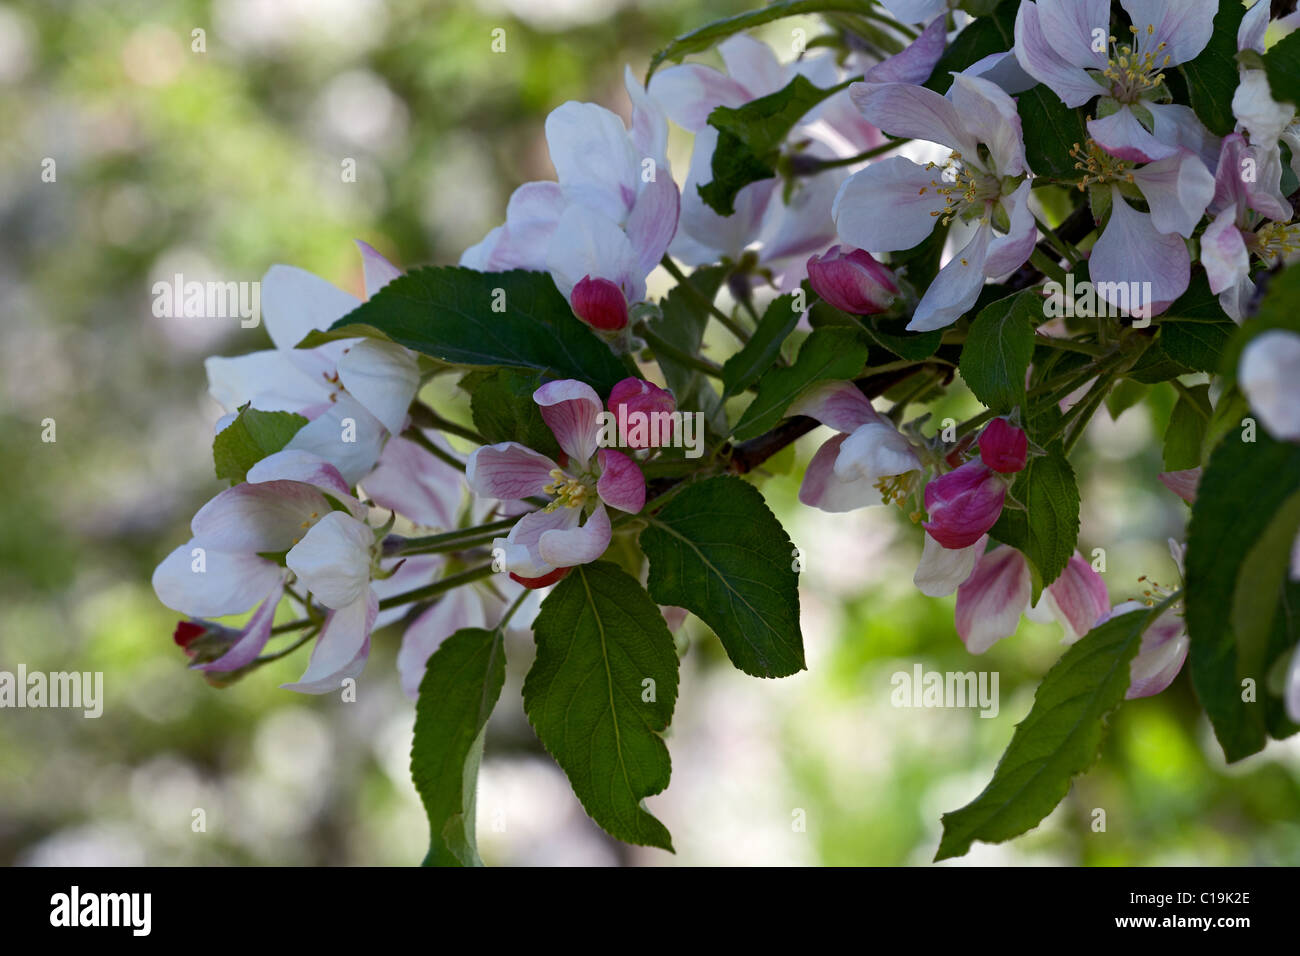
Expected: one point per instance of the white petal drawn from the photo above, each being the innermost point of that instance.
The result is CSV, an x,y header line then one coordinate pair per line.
x,y
892,204
1177,189
341,649
383,377
943,570
1042,61
333,559
566,547
594,158
269,379
228,584
416,484
1132,256
345,435
589,243
956,287
455,610
990,116
874,451
902,109
1270,379
295,302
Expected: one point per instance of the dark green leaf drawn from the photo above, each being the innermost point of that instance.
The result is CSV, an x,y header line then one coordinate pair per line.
x,y
684,316
1212,76
718,551
829,353
1059,739
1197,345
1048,527
601,693
998,351
1282,66
452,314
501,402
251,437
1186,431
1052,129
461,684
744,368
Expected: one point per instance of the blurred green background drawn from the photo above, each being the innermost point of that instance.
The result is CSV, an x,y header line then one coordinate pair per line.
x,y
220,163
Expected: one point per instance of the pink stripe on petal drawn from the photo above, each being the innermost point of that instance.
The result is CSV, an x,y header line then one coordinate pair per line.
x,y
991,601
252,638
378,270
1159,658
1078,598
839,405
342,647
569,408
621,484
508,470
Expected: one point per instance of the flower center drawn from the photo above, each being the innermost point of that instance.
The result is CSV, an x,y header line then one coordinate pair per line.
x,y
1133,73
1099,166
569,492
897,489
961,187
1275,240
307,525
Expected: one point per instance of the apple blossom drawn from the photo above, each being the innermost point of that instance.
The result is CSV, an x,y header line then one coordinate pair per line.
x,y
852,281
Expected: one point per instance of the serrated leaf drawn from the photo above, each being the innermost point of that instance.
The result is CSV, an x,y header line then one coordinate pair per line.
x,y
828,353
599,639
1052,129
1196,345
1238,548
744,368
1047,530
502,406
252,436
681,323
1212,76
449,312
1186,432
717,550
461,684
998,350
1059,738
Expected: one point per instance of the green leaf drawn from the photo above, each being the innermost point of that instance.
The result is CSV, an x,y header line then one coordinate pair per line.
x,y
1212,76
1282,66
601,693
992,34
1124,396
744,368
998,351
828,353
461,684
750,139
1196,345
1282,647
697,41
1052,129
1059,738
502,406
1047,530
1238,547
450,313
1186,431
718,551
252,436
1154,366
682,321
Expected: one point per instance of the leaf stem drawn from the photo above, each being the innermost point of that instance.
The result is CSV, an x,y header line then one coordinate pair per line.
x,y
680,356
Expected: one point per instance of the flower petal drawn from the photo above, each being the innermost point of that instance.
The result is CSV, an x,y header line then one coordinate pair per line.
x,y
943,570
294,465
295,302
378,270
520,546
255,517
1133,256
1121,135
333,559
957,286
892,204
345,435
690,92
588,243
902,109
823,489
990,602
1177,190
570,409
621,484
1182,483
1077,599
416,484
752,64
509,471
989,115
875,450
341,649
839,405
1068,27
595,161
1160,656
653,220
1180,28
454,610
566,547
917,60
229,582
1223,252
270,379
1269,376
252,638
383,377
1042,61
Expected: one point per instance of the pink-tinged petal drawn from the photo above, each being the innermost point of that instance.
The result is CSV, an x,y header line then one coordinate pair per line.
x,y
1182,26
955,289
803,224
228,583
1003,447
567,547
292,465
901,109
345,435
333,559
838,405
875,450
725,235
1122,135
1269,376
531,216
270,380
509,471
1250,35
587,243
570,408
1041,60
1004,71
1068,27
1229,186
990,116
649,130
1177,190
1178,126
621,484
1160,656
416,484
1133,256
252,518
1224,253
1182,483
851,280
826,491
653,220
595,161
990,602
341,649
482,255
891,205
963,504
943,570
295,302
455,610
916,62
378,270
915,11
1009,252
519,548
1291,694
689,93
644,413
252,638
384,378
674,616
1077,599
752,64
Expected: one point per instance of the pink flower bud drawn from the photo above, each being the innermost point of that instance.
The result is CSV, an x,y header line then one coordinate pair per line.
x,y
600,303
1004,447
964,504
643,411
852,281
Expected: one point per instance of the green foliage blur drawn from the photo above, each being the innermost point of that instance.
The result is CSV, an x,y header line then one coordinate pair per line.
x,y
222,162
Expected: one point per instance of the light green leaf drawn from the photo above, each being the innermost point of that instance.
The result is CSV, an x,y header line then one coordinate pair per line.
x,y
998,351
758,354
252,436
829,353
1047,529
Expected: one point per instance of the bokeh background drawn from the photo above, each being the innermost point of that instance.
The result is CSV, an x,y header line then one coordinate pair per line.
x,y
220,163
